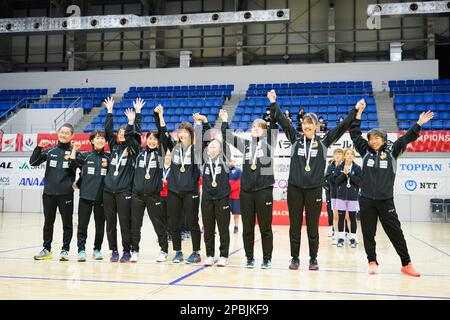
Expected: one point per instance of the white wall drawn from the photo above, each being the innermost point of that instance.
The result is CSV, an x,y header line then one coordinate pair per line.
x,y
39,120
239,76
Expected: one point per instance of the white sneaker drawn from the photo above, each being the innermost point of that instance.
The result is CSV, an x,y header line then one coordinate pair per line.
x,y
335,241
209,261
134,257
162,257
64,256
222,262
330,232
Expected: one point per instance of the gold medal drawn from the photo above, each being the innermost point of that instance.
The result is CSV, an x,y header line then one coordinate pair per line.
x,y
66,157
147,176
253,167
214,184
383,155
307,168
182,169
104,164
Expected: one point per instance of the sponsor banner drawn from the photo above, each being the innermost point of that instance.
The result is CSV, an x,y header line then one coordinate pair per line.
x,y
9,143
422,186
430,141
29,141
16,173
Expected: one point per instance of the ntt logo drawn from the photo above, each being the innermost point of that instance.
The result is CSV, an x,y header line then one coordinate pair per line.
x,y
411,185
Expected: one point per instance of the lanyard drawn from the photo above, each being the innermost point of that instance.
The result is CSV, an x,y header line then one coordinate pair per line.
x,y
147,166
181,155
213,171
308,157
119,161
258,147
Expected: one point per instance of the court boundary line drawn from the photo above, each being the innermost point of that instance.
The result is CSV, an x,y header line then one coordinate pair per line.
x,y
429,245
229,287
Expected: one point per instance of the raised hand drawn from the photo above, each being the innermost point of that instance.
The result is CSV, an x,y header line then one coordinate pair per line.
x,y
361,105
138,104
43,143
159,109
425,117
109,103
130,116
223,115
77,145
272,96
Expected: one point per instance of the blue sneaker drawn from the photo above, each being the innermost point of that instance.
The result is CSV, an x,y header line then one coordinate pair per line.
x,y
250,263
114,256
98,255
194,258
82,256
178,257
126,256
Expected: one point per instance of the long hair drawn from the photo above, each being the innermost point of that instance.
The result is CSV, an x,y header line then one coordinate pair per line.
x,y
187,126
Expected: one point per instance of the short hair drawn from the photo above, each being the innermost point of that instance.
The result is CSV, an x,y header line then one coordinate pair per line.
x,y
312,116
377,133
68,126
95,134
152,134
350,150
260,123
338,150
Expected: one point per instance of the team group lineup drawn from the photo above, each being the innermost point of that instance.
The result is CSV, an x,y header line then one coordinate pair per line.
x,y
173,177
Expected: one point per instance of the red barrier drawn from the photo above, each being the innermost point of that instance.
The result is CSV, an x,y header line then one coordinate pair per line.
x,y
430,141
280,214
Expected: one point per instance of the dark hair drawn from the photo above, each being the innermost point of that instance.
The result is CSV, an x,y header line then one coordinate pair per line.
x,y
95,134
187,126
152,133
68,126
377,133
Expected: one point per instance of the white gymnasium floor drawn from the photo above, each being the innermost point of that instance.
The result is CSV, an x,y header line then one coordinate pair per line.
x,y
342,275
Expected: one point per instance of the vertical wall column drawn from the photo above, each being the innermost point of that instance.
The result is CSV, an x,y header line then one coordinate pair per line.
x,y
431,43
331,32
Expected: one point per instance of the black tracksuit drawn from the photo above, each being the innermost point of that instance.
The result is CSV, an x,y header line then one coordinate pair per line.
x,y
330,189
215,203
256,197
94,167
183,193
58,190
305,188
345,193
146,192
117,190
377,190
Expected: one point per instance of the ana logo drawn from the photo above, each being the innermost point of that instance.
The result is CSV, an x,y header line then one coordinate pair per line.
x,y
6,165
411,185
31,182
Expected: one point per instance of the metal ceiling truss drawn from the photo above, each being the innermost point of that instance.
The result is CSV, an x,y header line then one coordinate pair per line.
x,y
133,22
409,8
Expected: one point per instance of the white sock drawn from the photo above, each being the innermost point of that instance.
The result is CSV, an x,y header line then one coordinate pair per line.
x,y
341,235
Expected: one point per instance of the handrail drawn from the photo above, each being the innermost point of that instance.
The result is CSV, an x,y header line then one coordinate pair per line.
x,y
13,107
68,111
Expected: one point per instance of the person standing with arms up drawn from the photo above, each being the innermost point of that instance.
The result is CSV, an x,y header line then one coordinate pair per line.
x,y
58,191
119,180
377,188
306,176
256,185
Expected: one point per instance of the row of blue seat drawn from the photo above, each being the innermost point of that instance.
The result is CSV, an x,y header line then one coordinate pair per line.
x,y
304,101
169,111
422,107
421,98
23,91
415,115
86,90
310,85
145,127
223,87
100,95
311,92
402,90
432,125
365,125
176,103
295,109
180,94
402,83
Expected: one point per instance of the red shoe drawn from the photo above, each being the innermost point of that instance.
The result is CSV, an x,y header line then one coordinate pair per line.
x,y
373,268
409,270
